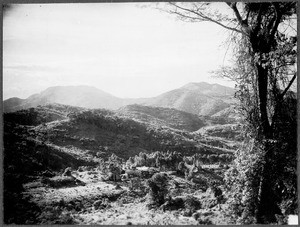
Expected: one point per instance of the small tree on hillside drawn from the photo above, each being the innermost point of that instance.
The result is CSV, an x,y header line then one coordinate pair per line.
x,y
158,189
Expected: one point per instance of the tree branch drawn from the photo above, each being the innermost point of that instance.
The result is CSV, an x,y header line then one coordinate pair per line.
x,y
243,23
289,85
273,19
258,21
188,17
277,21
236,12
202,17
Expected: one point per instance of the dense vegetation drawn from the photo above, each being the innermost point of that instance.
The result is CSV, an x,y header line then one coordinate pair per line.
x,y
160,116
177,154
265,54
40,143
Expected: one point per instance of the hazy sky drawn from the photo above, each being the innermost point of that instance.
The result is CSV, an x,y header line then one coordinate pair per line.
x,y
120,48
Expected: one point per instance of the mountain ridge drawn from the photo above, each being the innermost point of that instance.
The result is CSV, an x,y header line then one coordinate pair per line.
x,y
197,98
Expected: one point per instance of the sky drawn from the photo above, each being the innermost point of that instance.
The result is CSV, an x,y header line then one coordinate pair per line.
x,y
124,49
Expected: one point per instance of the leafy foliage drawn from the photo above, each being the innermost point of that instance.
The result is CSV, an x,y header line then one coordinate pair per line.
x,y
158,189
264,72
242,183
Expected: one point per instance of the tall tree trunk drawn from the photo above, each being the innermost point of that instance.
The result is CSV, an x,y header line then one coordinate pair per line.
x,y
267,207
262,77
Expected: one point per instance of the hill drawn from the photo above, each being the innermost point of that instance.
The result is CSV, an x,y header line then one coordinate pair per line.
x,y
42,143
40,114
81,96
196,98
13,104
159,116
101,132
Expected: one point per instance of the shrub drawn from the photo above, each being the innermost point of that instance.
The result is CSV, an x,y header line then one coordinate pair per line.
x,y
101,204
56,216
191,204
173,203
62,181
158,190
204,221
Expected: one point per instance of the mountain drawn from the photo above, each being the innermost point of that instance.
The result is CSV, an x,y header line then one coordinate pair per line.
x,y
12,104
81,96
159,116
196,98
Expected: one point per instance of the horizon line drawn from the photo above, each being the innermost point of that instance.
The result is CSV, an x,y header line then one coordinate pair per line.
x,y
91,86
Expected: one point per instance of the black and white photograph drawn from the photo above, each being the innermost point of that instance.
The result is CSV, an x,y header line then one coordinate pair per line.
x,y
149,113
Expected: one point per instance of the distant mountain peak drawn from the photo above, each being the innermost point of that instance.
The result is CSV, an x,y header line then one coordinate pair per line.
x,y
81,96
196,86
73,87
199,98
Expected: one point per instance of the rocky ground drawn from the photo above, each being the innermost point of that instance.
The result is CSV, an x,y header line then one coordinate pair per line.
x,y
90,200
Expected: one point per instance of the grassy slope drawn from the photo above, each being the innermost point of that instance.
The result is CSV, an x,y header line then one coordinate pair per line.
x,y
159,116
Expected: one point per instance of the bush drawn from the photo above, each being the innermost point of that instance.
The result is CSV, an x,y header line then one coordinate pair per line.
x,y
191,204
56,216
204,221
209,203
158,190
101,204
62,181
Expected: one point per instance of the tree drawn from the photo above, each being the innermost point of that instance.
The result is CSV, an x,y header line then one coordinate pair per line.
x,y
158,189
264,72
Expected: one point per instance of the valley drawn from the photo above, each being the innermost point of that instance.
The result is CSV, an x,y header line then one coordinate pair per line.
x,y
41,143
79,165
109,119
